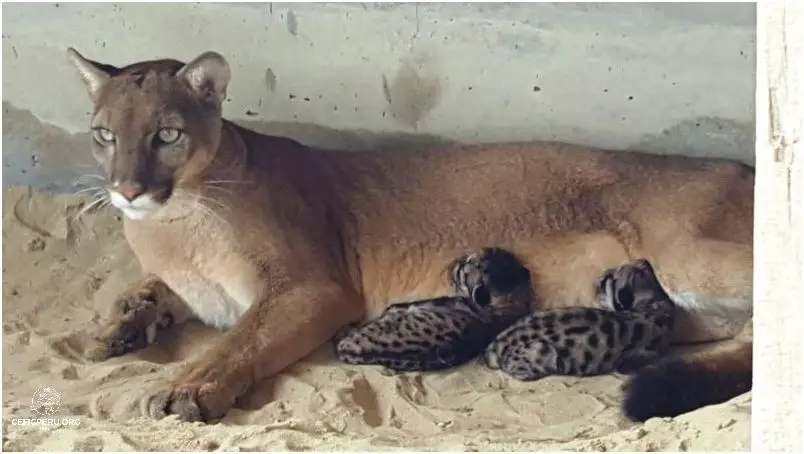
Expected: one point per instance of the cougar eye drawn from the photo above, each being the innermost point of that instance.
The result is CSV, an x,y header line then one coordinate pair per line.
x,y
169,135
103,135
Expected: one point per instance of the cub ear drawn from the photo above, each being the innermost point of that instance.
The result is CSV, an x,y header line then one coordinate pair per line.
x,y
94,74
644,264
481,295
208,75
625,297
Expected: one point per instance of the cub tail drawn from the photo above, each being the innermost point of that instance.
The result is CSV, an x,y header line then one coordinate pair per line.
x,y
685,382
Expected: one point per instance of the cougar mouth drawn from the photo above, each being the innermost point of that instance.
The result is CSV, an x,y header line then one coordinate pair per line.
x,y
142,206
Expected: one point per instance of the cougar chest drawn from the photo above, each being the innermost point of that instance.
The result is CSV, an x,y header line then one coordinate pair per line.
x,y
204,266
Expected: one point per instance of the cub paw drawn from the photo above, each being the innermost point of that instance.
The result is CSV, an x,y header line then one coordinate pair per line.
x,y
347,345
489,358
345,331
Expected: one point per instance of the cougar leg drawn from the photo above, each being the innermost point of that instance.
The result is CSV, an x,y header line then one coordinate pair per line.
x,y
273,334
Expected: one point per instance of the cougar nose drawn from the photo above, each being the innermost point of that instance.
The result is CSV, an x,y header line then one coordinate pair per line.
x,y
130,190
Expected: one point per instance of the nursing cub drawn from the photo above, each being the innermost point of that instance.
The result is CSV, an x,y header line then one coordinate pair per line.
x,y
492,291
489,316
632,333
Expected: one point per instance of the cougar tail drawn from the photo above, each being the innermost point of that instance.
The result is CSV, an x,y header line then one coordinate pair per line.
x,y
682,383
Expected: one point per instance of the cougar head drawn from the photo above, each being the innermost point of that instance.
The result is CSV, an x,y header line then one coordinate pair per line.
x,y
156,125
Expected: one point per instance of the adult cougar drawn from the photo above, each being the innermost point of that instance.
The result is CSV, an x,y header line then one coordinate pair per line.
x,y
284,244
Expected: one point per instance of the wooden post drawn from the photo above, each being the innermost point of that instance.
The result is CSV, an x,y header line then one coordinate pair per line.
x,y
778,405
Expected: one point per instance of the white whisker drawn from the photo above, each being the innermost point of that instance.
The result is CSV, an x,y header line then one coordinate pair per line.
x,y
99,202
212,212
206,205
208,209
96,189
217,203
88,178
227,182
202,198
199,202
218,188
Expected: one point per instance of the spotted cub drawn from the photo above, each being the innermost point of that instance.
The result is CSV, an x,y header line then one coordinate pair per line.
x,y
492,291
633,332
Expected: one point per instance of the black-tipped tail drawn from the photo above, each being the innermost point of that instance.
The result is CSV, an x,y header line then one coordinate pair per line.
x,y
680,384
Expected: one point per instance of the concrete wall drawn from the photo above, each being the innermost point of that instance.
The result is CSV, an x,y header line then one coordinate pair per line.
x,y
658,77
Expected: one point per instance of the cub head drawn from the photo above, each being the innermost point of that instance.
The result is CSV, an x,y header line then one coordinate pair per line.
x,y
630,286
494,278
156,125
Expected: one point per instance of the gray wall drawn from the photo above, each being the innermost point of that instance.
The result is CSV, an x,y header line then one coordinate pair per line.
x,y
659,77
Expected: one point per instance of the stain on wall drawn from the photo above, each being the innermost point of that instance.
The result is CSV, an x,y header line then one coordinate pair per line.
x,y
270,80
414,89
291,22
642,76
704,136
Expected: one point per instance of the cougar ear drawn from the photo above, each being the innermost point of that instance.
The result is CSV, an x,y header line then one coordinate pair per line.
x,y
208,75
94,74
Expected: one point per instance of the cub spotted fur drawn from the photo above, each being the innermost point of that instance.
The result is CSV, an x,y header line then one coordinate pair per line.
x,y
282,244
493,290
589,341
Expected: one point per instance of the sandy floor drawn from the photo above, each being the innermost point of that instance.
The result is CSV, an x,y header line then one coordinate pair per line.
x,y
59,274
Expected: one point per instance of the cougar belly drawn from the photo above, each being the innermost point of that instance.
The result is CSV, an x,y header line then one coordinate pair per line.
x,y
708,318
208,300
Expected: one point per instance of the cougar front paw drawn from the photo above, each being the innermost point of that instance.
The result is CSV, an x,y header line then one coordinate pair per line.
x,y
194,401
137,319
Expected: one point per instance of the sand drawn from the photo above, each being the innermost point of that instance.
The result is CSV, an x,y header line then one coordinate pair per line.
x,y
60,273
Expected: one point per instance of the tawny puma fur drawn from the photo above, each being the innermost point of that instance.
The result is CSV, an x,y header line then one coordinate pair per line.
x,y
284,244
